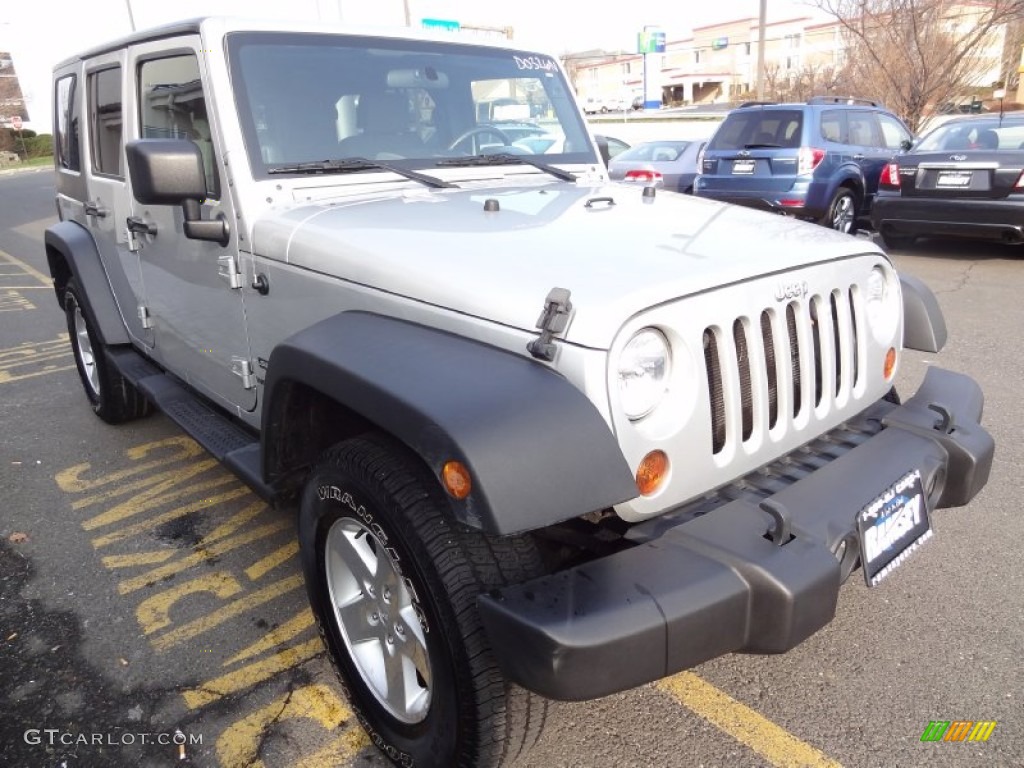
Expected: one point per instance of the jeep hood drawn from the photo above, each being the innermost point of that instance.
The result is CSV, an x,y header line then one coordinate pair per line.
x,y
616,251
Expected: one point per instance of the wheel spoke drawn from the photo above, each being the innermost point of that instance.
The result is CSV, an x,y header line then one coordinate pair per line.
x,y
395,671
350,549
355,617
414,644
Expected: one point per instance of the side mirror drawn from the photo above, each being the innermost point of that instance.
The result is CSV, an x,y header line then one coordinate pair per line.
x,y
170,172
906,144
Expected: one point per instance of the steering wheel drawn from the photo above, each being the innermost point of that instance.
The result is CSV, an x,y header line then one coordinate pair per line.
x,y
480,130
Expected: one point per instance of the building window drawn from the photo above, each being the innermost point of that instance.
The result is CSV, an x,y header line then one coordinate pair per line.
x,y
696,57
746,48
626,67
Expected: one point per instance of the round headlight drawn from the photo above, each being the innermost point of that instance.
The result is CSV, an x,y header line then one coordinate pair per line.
x,y
643,372
882,305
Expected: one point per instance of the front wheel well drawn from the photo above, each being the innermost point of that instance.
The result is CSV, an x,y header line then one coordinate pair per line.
x,y
303,423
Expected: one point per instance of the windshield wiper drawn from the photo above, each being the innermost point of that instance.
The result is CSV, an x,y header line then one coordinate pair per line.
x,y
349,164
762,146
501,158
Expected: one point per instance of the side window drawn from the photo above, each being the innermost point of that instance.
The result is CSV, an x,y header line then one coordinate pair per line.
x,y
68,128
104,88
172,106
893,132
862,129
832,125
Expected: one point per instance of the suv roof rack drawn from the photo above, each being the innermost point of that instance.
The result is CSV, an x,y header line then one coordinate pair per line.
x,y
843,100
756,104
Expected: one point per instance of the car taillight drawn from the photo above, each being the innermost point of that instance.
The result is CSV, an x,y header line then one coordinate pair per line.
x,y
644,176
1020,181
891,175
810,158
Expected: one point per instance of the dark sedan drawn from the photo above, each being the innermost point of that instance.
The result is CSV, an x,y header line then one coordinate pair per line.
x,y
672,164
963,179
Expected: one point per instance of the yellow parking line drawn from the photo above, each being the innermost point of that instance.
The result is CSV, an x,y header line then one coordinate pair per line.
x,y
250,675
47,282
776,745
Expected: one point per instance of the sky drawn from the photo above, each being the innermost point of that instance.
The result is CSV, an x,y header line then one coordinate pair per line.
x,y
39,33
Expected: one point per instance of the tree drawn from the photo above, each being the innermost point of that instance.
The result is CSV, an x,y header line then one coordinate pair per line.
x,y
916,55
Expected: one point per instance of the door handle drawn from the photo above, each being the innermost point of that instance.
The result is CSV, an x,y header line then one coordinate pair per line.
x,y
141,226
95,209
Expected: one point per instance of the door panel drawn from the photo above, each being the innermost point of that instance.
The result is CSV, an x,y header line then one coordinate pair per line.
x,y
198,318
108,200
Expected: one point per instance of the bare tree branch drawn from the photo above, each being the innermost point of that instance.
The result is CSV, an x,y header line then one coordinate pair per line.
x,y
916,55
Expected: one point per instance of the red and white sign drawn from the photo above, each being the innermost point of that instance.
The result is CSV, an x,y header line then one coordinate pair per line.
x,y
16,122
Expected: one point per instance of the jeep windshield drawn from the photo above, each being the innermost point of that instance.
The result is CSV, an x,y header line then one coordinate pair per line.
x,y
401,104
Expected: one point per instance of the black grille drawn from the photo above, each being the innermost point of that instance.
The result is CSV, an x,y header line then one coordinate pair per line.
x,y
740,362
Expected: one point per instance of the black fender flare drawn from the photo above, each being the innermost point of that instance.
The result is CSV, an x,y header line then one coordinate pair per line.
x,y
924,326
537,449
70,243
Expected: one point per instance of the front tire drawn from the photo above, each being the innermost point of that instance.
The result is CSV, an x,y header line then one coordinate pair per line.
x,y
112,397
393,581
842,212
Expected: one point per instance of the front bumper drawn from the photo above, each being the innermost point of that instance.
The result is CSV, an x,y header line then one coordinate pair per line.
x,y
697,587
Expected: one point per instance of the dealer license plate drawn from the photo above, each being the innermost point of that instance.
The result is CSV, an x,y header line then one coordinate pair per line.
x,y
743,166
956,179
892,526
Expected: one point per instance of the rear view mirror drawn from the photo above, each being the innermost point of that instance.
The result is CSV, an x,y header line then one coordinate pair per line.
x,y
165,171
170,172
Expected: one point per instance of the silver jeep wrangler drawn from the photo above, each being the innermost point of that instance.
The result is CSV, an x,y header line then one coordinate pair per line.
x,y
547,436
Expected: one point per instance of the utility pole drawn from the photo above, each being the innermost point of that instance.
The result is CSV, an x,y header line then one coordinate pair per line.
x,y
131,17
408,16
760,50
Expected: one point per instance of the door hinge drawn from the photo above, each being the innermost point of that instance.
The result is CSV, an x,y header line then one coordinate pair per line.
x,y
242,368
144,317
227,269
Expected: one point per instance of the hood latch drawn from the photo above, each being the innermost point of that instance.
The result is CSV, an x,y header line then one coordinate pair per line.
x,y
553,320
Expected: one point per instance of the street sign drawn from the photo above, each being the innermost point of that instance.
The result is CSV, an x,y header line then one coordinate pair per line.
x,y
442,24
16,122
650,41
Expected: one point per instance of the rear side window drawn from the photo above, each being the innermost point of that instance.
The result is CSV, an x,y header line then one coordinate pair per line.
x,y
760,129
105,121
68,124
657,152
863,129
833,125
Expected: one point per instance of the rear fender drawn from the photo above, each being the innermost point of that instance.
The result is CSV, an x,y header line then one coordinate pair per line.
x,y
71,251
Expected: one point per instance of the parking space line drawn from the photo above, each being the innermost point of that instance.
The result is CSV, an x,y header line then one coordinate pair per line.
x,y
26,269
775,744
294,627
229,611
237,747
251,674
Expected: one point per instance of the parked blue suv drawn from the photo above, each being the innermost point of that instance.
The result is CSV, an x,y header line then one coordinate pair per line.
x,y
818,160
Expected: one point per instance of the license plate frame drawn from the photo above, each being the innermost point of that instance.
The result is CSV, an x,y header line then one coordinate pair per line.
x,y
954,179
744,167
893,526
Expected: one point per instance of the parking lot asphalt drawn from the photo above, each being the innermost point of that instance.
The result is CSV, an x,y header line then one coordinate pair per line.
x,y
152,610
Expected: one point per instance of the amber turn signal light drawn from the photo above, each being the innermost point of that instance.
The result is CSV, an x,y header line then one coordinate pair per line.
x,y
455,477
890,363
652,472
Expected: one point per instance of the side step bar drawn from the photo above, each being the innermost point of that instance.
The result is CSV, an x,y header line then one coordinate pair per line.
x,y
235,447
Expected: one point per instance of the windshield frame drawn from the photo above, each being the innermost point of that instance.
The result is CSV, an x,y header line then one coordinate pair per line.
x,y
566,114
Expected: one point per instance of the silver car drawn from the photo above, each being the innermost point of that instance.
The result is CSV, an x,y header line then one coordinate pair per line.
x,y
670,164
